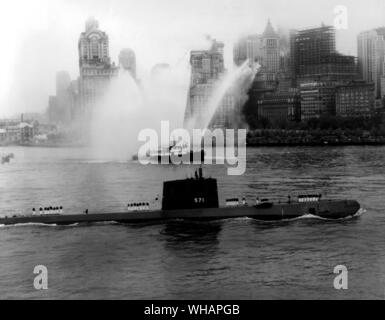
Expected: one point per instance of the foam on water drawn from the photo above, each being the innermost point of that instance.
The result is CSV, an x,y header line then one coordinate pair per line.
x,y
29,224
34,224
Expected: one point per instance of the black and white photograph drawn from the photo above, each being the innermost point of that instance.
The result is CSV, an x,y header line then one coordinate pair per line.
x,y
192,150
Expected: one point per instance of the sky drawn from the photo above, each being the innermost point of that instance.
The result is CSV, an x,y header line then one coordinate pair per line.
x,y
39,37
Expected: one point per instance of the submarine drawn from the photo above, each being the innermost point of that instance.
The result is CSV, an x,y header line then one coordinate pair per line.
x,y
196,199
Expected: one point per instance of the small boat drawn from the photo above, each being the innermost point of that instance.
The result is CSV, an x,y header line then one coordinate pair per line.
x,y
176,153
7,158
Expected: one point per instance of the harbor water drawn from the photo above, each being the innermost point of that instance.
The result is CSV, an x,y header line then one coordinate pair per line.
x,y
231,259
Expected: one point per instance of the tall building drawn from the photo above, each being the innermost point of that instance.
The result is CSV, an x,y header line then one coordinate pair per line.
x,y
127,61
93,45
77,99
240,51
207,69
270,50
264,49
383,82
207,64
96,69
355,99
248,48
52,110
308,48
254,48
279,108
60,106
63,81
317,99
371,54
314,57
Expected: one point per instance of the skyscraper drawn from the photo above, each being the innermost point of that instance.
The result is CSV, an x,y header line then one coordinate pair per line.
x,y
207,64
355,99
309,47
207,67
371,54
254,48
93,45
248,48
127,61
60,106
317,99
262,48
95,65
270,49
240,51
314,57
63,81
383,81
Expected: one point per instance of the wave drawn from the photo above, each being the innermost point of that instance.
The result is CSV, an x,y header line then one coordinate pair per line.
x,y
28,224
359,213
105,161
106,223
241,219
76,224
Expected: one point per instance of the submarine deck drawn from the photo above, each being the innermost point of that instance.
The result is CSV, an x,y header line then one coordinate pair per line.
x,y
328,209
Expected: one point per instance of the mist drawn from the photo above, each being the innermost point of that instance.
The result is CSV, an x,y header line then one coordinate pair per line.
x,y
130,106
41,36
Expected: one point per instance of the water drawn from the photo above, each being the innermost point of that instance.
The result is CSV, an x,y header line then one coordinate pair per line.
x,y
237,80
232,259
148,100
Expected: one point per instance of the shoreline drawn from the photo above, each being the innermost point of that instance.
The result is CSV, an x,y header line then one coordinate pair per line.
x,y
315,144
248,145
297,138
257,140
50,145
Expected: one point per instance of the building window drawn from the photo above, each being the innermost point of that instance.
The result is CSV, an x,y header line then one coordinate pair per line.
x,y
94,48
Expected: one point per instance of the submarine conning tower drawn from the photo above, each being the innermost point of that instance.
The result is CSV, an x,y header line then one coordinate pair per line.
x,y
191,193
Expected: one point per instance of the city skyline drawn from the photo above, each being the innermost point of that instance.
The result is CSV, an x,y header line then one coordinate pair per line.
x,y
192,150
50,32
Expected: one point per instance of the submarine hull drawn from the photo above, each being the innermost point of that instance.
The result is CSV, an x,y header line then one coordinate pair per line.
x,y
325,209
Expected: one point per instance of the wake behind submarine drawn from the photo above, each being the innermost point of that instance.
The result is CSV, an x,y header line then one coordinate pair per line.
x,y
197,199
